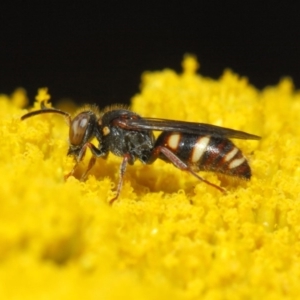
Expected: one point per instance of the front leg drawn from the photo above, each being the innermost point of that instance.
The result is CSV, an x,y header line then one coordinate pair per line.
x,y
95,154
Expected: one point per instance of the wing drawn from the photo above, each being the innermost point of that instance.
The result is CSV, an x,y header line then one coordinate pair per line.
x,y
181,126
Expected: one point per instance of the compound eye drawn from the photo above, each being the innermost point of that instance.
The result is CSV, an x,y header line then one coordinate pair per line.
x,y
78,129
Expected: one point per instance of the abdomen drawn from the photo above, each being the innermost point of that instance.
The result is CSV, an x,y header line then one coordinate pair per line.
x,y
206,153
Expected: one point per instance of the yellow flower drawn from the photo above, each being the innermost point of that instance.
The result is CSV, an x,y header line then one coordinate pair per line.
x,y
168,235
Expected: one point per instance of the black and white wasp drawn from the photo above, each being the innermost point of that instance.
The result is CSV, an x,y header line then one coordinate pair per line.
x,y
189,146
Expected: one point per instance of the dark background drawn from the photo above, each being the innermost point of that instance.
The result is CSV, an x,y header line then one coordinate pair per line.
x,y
96,53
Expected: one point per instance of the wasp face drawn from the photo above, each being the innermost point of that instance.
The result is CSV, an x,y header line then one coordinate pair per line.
x,y
82,130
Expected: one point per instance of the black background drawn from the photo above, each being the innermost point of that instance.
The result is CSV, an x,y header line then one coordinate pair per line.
x,y
95,53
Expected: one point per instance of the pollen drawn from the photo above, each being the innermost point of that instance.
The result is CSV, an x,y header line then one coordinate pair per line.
x,y
168,235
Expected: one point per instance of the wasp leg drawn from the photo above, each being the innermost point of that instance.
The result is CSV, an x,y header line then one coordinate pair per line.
x,y
78,160
95,152
179,164
126,158
90,165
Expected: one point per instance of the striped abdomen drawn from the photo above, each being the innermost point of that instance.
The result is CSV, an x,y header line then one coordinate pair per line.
x,y
206,153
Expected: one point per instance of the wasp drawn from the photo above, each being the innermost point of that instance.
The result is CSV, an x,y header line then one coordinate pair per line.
x,y
191,147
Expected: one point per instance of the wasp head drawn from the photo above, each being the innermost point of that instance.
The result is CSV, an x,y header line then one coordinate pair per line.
x,y
83,128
